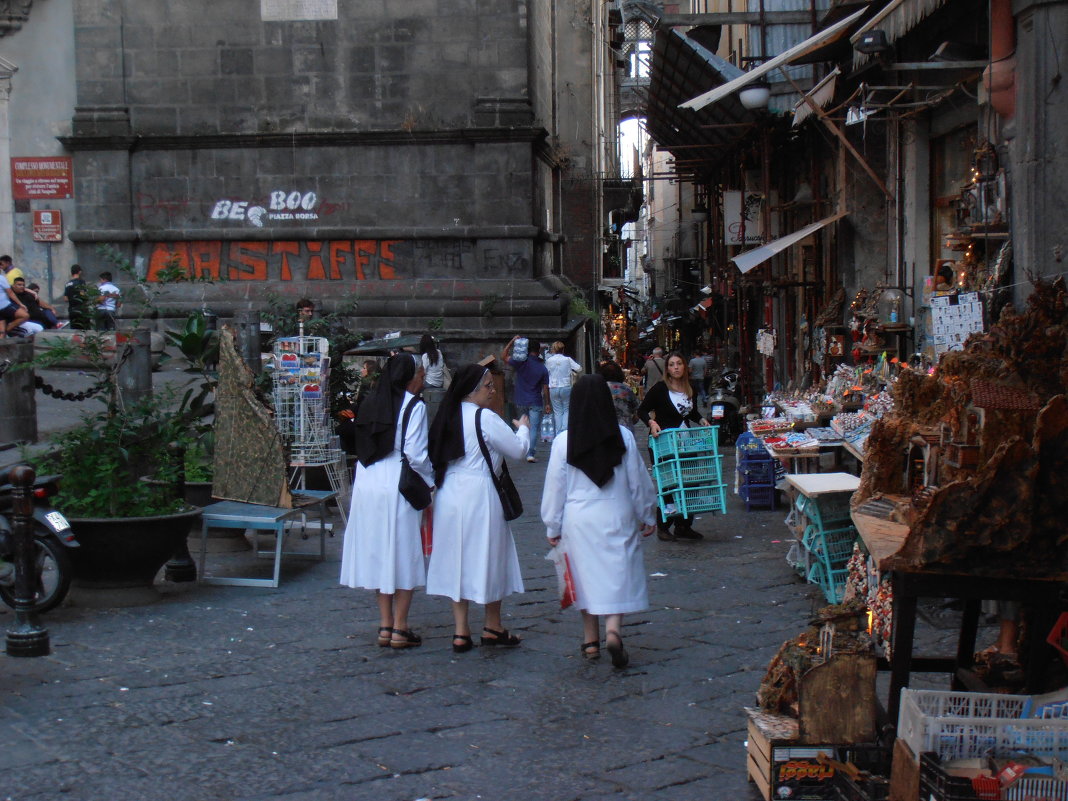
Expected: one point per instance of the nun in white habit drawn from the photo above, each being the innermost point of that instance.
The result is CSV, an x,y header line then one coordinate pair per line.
x,y
597,504
382,549
474,556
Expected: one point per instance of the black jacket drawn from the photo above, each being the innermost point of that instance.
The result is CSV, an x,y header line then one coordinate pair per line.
x,y
658,400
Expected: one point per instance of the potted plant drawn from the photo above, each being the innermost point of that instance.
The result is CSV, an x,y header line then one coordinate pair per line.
x,y
128,528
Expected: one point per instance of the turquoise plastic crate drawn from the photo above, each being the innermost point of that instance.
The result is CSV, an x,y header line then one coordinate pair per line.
x,y
674,442
698,471
827,510
832,582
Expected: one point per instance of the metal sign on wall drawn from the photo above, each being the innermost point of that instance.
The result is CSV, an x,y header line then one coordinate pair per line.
x,y
42,177
745,212
47,225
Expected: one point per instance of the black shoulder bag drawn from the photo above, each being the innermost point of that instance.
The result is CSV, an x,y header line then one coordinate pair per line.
x,y
506,491
411,486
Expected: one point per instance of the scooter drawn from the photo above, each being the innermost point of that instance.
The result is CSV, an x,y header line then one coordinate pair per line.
x,y
52,536
724,407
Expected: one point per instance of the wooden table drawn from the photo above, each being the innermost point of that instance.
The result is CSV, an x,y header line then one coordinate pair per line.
x,y
883,539
815,484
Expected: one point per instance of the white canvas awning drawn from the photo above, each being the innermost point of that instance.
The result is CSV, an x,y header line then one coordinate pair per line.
x,y
821,94
815,42
751,258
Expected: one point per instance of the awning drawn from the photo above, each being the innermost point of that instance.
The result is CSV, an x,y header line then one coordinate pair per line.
x,y
821,94
751,258
896,19
831,34
682,67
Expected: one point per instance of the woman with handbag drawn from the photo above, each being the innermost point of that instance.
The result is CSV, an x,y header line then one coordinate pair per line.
x,y
597,504
474,557
383,549
670,404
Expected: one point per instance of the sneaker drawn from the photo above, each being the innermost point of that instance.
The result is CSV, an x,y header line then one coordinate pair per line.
x,y
531,459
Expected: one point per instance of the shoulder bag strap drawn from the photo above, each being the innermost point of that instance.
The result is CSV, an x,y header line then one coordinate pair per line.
x,y
404,423
485,451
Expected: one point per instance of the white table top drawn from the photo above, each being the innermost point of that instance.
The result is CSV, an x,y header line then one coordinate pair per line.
x,y
813,484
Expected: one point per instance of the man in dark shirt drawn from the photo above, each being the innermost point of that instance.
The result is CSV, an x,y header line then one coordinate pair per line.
x,y
39,313
77,298
531,389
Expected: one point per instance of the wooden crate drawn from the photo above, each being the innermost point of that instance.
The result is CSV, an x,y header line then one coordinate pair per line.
x,y
782,767
904,774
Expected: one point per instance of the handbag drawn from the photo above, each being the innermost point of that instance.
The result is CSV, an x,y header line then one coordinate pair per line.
x,y
411,485
446,374
511,503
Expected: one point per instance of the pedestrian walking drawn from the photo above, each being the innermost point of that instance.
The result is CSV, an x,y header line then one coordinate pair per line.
x,y
433,362
670,404
623,397
382,550
108,299
597,504
474,557
562,368
531,388
653,369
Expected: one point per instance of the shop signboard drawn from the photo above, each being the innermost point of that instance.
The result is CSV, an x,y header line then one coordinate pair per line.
x,y
42,178
743,218
47,225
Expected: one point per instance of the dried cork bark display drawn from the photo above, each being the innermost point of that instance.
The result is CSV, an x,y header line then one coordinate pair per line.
x,y
250,464
984,446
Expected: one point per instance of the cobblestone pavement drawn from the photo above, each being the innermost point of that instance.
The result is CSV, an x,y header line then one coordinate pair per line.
x,y
248,693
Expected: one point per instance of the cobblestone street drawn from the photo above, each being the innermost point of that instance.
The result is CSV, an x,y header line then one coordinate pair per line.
x,y
226,692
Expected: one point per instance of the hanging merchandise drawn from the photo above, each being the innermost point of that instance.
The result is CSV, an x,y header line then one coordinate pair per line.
x,y
765,342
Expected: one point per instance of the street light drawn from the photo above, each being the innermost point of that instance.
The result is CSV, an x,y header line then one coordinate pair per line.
x,y
755,95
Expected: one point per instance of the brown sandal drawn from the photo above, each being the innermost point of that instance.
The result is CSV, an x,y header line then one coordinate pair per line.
x,y
591,650
384,636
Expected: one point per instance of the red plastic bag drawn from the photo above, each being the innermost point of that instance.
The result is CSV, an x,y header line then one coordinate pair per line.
x,y
426,530
567,597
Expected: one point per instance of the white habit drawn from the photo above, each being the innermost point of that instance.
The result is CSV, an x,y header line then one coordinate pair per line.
x,y
600,528
382,549
474,555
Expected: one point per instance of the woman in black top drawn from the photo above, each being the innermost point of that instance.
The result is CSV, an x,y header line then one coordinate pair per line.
x,y
670,404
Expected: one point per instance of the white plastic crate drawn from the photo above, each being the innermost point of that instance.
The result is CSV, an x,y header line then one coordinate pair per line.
x,y
958,725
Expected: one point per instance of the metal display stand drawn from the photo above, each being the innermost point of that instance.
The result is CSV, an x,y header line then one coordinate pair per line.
x,y
301,372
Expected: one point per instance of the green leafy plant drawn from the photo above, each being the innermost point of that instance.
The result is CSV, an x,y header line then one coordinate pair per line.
x,y
198,343
578,307
437,324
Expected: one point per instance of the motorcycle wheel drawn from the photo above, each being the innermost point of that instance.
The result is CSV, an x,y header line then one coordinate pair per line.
x,y
53,575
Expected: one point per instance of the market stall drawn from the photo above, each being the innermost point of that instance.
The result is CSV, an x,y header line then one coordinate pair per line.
x,y
960,497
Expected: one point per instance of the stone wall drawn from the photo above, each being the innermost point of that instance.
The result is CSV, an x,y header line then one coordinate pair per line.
x,y
396,145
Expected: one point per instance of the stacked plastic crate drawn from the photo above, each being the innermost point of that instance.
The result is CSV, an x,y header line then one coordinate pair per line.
x,y
827,540
756,478
688,471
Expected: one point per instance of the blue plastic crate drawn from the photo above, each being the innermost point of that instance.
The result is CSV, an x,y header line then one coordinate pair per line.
x,y
757,472
758,495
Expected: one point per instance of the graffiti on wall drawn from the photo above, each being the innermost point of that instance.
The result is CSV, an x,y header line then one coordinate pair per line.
x,y
341,259
329,260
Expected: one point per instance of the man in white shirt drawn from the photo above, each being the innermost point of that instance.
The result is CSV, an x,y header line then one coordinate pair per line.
x,y
12,312
107,303
561,367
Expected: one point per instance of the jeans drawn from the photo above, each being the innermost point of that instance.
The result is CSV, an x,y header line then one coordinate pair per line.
x,y
535,414
561,401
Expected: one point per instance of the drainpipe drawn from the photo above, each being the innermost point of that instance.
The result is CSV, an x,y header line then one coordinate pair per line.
x,y
999,79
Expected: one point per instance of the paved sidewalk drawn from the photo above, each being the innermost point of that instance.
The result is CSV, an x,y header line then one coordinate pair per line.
x,y
247,693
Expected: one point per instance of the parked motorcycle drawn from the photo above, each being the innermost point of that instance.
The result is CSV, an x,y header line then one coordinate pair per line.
x,y
725,407
52,536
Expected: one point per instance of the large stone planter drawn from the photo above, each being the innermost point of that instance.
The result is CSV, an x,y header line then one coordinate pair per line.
x,y
118,558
